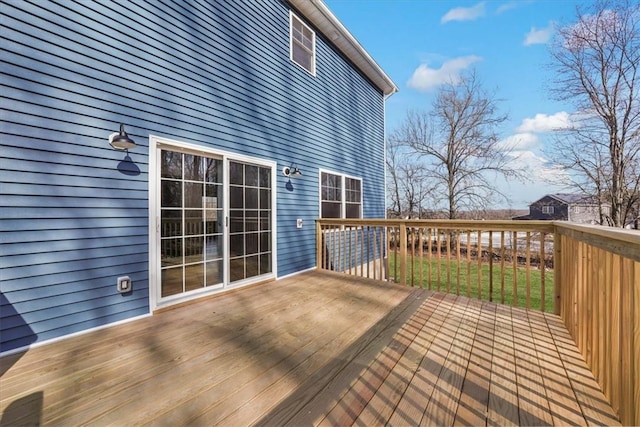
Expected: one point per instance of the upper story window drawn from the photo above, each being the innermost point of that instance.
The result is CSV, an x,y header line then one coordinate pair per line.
x,y
302,44
547,209
340,196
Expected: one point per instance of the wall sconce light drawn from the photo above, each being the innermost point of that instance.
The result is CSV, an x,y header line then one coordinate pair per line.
x,y
291,171
120,140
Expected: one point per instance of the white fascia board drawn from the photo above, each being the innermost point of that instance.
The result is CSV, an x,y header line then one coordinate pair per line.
x,y
320,16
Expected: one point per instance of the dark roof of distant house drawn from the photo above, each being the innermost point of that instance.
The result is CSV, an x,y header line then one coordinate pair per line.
x,y
572,199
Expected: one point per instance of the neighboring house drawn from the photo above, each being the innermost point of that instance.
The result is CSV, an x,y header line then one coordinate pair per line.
x,y
566,207
222,99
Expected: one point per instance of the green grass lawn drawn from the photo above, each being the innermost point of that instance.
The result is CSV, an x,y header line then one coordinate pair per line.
x,y
453,286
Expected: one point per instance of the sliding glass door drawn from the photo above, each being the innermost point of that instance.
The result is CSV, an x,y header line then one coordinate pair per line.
x,y
215,222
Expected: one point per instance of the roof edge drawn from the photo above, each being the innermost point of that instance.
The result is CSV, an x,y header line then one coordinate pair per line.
x,y
321,16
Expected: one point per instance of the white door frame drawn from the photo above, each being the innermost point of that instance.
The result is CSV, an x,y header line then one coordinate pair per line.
x,y
156,142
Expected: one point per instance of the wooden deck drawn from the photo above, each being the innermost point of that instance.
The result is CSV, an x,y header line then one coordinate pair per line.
x,y
316,348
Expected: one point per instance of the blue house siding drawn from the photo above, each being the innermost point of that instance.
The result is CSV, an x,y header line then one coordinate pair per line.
x,y
74,213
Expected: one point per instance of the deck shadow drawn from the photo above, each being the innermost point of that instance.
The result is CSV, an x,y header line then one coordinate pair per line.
x,y
335,375
26,411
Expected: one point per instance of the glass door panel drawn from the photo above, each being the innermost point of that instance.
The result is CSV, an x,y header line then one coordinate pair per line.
x,y
191,221
250,219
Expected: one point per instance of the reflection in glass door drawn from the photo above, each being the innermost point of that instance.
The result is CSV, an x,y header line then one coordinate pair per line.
x,y
191,222
250,221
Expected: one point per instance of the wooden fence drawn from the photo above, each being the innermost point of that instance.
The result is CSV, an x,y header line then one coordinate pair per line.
x,y
588,275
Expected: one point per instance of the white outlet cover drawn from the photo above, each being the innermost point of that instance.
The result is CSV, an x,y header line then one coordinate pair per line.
x,y
124,284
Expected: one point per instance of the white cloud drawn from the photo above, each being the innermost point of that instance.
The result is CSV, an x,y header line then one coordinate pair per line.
x,y
527,146
545,123
520,142
510,5
543,178
539,170
464,13
425,78
538,36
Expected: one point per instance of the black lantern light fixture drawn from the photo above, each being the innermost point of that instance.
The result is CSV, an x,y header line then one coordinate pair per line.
x,y
291,171
120,140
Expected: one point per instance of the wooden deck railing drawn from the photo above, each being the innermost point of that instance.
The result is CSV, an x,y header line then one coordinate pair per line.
x,y
599,274
506,262
589,276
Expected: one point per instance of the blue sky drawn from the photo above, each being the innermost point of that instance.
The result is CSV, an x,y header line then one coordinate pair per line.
x,y
419,43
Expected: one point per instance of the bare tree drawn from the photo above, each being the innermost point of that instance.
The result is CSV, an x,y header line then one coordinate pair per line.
x,y
596,61
416,188
458,142
586,158
392,161
407,186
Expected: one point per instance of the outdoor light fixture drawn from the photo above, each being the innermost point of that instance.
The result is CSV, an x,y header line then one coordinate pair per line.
x,y
120,140
291,171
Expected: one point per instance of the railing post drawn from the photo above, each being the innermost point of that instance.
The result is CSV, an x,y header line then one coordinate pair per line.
x,y
319,248
557,271
490,265
387,245
403,253
542,271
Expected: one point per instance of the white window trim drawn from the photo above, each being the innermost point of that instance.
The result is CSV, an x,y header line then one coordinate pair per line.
x,y
313,42
343,201
548,210
156,142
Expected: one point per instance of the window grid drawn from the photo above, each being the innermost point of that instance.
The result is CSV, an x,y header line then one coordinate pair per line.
x,y
250,221
191,234
340,196
353,194
302,44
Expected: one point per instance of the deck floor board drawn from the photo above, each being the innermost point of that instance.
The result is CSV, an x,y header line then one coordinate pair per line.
x,y
313,349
